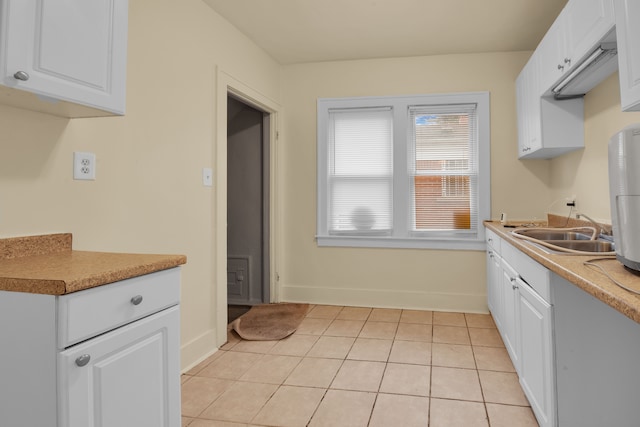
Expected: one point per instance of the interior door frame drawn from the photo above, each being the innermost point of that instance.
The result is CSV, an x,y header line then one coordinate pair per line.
x,y
228,85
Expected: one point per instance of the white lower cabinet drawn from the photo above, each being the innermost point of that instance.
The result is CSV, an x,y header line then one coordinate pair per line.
x,y
510,319
494,276
103,357
129,379
523,314
536,353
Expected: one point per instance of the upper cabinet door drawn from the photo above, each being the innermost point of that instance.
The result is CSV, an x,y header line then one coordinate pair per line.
x,y
586,23
69,50
628,34
581,26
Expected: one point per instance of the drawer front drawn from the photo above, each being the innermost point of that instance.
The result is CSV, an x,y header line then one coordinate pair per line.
x,y
493,241
85,314
535,274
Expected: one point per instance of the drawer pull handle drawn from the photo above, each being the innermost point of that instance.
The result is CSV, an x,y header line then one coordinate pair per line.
x,y
83,360
136,300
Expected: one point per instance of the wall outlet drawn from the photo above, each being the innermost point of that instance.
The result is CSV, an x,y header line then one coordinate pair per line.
x,y
84,166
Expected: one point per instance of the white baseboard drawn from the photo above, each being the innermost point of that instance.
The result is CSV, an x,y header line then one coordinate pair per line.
x,y
414,300
198,349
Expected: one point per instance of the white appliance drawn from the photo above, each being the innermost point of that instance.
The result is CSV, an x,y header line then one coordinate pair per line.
x,y
624,191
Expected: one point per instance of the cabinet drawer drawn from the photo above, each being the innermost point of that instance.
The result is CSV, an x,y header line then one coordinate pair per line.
x,y
84,314
535,274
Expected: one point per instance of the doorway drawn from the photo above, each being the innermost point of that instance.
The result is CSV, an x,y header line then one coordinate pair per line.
x,y
248,174
229,85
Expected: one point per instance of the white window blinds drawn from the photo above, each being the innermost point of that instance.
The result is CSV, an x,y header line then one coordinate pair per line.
x,y
360,175
404,171
444,168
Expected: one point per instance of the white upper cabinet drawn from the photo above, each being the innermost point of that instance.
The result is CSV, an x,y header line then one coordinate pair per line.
x,y
546,128
572,37
70,53
586,23
551,52
549,127
528,98
628,35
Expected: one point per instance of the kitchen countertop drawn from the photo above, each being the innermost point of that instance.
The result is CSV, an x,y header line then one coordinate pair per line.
x,y
589,279
48,265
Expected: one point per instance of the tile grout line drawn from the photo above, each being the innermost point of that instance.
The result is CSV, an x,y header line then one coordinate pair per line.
x,y
343,359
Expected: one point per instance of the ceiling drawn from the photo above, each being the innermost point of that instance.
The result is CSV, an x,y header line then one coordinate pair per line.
x,y
297,31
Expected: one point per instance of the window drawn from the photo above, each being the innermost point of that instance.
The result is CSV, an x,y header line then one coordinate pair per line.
x,y
409,171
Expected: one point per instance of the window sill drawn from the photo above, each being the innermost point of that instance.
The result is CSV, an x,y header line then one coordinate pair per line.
x,y
469,244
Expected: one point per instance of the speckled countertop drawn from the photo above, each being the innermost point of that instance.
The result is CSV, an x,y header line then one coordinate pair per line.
x,y
589,279
48,265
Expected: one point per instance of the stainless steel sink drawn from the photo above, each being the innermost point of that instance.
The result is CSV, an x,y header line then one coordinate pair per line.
x,y
583,245
553,235
567,241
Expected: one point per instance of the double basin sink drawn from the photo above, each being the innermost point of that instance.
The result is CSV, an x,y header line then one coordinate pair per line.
x,y
577,241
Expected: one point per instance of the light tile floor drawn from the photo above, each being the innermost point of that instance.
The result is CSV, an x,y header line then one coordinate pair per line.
x,y
353,366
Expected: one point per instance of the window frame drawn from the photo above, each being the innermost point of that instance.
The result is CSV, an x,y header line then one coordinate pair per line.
x,y
402,236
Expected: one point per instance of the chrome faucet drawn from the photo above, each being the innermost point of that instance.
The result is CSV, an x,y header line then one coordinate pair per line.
x,y
598,227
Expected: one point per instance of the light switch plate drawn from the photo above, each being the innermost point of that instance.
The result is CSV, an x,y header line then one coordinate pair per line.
x,y
207,177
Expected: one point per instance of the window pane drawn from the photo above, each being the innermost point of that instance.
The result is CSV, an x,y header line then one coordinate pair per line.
x,y
360,205
360,170
362,142
443,167
442,202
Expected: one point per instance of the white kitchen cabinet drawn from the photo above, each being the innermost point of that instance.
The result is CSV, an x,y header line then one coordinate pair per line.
x,y
627,13
65,57
106,356
127,378
528,108
581,25
536,353
524,317
501,293
546,127
510,315
494,277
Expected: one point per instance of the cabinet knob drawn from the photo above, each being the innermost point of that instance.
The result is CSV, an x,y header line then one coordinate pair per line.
x,y
560,67
567,61
83,360
514,287
21,75
136,300
513,279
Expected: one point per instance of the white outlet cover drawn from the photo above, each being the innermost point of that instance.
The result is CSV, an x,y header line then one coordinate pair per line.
x,y
84,166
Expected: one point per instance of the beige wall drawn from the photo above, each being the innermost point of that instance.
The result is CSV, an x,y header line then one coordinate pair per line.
x,y
584,173
441,280
148,196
